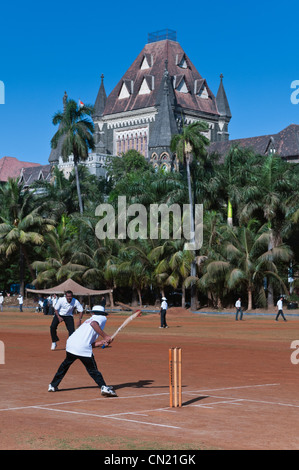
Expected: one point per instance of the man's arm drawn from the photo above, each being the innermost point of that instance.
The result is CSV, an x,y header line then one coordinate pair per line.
x,y
80,310
106,338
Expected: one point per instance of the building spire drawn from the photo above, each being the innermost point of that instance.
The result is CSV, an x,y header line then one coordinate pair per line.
x,y
101,100
165,124
222,101
64,100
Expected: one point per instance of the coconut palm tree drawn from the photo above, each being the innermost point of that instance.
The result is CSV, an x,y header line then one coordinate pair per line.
x,y
55,254
76,128
22,226
268,200
191,143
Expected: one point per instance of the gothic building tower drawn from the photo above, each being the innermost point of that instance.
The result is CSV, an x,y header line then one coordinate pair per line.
x,y
161,90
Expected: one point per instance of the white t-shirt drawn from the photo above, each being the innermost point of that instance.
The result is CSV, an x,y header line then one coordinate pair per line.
x,y
80,342
238,304
164,305
65,308
280,304
1,299
20,299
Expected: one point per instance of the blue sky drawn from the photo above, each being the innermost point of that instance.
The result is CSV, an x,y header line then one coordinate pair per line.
x,y
49,47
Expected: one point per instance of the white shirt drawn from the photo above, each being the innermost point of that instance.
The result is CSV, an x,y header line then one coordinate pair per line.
x,y
80,342
280,304
1,299
164,305
238,304
20,299
65,308
54,301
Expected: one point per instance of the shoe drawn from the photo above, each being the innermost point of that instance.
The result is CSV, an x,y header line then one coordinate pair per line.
x,y
52,389
107,391
53,346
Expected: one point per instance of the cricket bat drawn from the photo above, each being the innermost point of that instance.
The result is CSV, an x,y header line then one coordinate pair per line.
x,y
125,323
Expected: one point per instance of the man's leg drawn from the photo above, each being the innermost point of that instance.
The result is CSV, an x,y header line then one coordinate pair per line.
x,y
163,320
63,368
69,323
53,329
92,369
281,313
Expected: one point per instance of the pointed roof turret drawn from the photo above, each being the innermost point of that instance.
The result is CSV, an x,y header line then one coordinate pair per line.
x,y
222,101
165,124
101,100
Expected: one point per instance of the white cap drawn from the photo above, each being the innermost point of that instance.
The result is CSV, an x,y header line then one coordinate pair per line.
x,y
98,309
164,298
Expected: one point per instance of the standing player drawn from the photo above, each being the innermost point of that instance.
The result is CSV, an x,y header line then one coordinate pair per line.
x,y
79,346
280,309
64,310
239,310
164,307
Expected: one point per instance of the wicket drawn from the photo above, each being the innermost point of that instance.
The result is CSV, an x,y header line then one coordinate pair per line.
x,y
175,377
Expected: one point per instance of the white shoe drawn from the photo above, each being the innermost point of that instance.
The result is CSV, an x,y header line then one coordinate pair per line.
x,y
52,389
53,346
107,391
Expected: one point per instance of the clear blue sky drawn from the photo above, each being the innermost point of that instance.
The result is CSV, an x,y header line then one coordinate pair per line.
x,y
49,47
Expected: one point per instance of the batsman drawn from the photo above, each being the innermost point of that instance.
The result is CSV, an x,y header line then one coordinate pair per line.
x,y
79,346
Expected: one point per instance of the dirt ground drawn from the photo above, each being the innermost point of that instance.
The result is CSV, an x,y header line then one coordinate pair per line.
x,y
240,388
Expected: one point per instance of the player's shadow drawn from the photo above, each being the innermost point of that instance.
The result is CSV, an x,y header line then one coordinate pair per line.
x,y
139,384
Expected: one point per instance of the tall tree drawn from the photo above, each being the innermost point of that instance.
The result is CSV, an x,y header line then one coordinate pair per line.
x,y
76,128
22,226
191,143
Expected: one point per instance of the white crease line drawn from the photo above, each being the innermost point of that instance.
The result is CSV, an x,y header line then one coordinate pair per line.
x,y
263,402
135,396
106,417
230,388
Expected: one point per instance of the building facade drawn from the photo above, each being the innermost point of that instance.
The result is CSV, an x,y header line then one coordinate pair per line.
x,y
159,93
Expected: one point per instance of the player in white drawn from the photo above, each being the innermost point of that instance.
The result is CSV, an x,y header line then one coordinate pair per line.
x,y
280,309
64,310
79,346
164,307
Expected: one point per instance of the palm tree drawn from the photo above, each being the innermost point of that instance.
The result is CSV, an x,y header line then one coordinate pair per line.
x,y
251,261
191,142
21,226
76,129
269,201
55,254
174,265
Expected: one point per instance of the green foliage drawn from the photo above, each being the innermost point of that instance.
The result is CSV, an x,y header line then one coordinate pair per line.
x,y
44,232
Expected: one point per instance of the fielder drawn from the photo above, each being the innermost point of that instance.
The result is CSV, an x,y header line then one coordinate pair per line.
x,y
63,310
79,346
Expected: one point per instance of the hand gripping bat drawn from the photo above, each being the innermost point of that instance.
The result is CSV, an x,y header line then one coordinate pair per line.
x,y
125,323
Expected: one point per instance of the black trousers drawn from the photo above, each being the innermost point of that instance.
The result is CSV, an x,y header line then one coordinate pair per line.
x,y
69,323
163,318
88,362
280,312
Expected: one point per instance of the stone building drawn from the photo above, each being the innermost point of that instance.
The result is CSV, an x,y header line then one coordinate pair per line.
x,y
161,91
